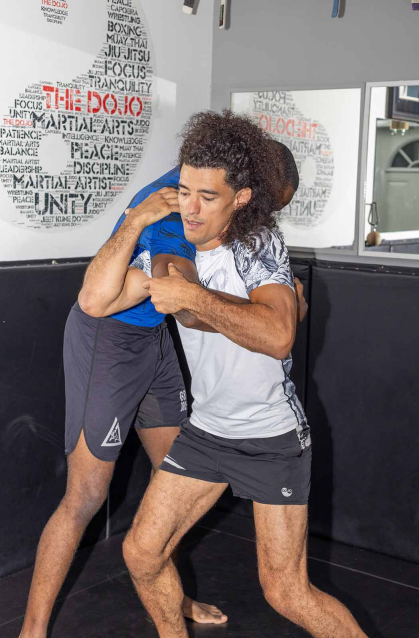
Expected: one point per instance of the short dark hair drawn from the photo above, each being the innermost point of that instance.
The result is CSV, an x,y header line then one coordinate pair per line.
x,y
287,165
234,143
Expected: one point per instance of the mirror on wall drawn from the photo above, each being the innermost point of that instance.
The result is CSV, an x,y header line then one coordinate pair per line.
x,y
392,180
321,128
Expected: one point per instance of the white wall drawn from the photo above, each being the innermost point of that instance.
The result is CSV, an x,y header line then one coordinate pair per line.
x,y
289,44
270,44
279,45
182,62
183,50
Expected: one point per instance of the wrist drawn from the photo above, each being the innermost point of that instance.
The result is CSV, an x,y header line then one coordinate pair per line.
x,y
193,297
135,223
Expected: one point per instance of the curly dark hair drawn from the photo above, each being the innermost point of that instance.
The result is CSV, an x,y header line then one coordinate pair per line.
x,y
236,144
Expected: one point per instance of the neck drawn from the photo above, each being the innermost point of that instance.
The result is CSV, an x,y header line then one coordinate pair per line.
x,y
210,245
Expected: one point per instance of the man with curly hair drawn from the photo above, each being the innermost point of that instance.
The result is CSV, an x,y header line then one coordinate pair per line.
x,y
119,358
247,426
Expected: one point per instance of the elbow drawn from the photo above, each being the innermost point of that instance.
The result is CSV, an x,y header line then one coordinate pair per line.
x,y
89,305
187,320
280,354
282,348
193,322
190,322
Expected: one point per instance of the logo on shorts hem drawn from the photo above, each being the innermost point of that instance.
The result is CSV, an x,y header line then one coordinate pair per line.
x,y
183,401
169,460
286,492
113,437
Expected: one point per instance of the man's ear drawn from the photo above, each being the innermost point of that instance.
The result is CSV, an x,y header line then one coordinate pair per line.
x,y
243,197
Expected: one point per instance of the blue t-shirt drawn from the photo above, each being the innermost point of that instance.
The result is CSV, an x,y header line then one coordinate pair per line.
x,y
164,237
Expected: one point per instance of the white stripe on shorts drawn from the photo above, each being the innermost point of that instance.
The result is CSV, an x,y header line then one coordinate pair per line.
x,y
172,462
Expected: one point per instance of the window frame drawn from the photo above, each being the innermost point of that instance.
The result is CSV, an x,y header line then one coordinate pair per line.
x,y
364,255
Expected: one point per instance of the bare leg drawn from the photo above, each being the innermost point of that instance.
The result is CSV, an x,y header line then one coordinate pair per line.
x,y
282,556
171,505
87,486
157,443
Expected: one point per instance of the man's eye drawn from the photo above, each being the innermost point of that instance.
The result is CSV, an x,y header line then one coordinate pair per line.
x,y
182,193
207,199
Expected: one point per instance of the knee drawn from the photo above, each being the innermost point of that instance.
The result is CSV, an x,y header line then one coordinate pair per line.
x,y
284,593
130,550
84,501
142,553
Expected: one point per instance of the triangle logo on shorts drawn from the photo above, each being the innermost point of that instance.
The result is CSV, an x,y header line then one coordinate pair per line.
x,y
113,437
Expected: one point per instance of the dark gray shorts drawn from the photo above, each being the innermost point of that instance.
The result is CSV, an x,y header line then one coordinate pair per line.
x,y
111,368
273,471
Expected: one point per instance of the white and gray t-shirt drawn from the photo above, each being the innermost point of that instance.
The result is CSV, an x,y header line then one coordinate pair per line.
x,y
240,394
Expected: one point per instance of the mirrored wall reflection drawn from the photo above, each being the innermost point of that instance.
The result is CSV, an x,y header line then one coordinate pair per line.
x,y
321,128
392,185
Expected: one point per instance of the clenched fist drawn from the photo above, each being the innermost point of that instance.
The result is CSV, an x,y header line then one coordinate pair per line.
x,y
170,294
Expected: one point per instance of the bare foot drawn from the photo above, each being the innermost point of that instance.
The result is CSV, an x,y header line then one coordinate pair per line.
x,y
202,613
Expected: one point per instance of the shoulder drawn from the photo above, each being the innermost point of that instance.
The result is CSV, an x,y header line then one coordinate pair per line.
x,y
267,247
267,262
271,247
167,236
168,226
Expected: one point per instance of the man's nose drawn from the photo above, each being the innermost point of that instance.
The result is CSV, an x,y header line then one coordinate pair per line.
x,y
193,207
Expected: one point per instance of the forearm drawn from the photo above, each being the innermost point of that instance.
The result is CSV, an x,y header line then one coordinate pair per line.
x,y
256,327
132,294
188,320
105,277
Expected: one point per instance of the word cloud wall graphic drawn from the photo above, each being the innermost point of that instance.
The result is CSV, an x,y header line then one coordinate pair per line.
x,y
276,112
70,146
321,128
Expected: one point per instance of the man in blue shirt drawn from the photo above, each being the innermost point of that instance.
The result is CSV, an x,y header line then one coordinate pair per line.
x,y
115,366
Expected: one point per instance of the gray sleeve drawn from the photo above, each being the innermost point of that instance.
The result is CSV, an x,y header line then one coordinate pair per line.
x,y
143,262
270,266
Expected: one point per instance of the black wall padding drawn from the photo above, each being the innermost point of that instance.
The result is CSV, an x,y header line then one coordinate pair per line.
x,y
360,381
302,270
363,407
35,304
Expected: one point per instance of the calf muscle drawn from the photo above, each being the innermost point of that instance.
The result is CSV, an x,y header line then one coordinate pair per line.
x,y
282,557
87,485
171,505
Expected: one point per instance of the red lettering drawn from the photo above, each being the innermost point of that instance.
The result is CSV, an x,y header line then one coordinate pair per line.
x,y
77,100
301,129
125,106
110,96
264,123
313,131
48,90
140,106
280,126
12,122
289,128
96,96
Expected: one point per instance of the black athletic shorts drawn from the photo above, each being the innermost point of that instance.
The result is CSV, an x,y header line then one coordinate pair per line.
x,y
111,368
272,471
